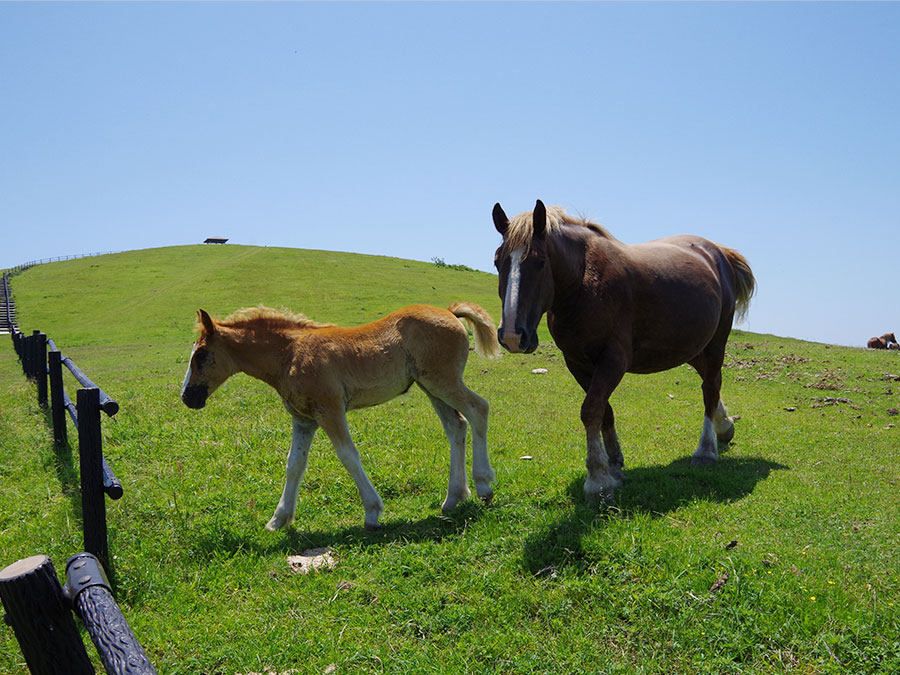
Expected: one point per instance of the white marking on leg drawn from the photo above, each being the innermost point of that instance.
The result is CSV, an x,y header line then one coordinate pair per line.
x,y
600,482
511,305
339,434
723,423
708,449
303,432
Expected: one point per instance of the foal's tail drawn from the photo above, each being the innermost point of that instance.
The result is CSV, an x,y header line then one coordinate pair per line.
x,y
486,343
745,282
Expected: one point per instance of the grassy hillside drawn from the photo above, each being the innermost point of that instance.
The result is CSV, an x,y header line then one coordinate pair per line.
x,y
537,581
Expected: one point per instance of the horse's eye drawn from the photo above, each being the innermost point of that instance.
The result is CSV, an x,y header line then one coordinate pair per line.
x,y
201,356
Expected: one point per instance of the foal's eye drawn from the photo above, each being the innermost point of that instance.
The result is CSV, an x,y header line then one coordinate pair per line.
x,y
201,356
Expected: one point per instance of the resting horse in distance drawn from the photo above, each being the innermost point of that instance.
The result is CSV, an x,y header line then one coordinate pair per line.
x,y
614,308
321,371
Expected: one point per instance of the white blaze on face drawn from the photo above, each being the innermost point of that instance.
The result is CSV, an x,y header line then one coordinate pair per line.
x,y
187,375
511,306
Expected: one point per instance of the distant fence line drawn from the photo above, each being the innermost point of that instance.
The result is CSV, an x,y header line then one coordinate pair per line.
x,y
61,258
37,608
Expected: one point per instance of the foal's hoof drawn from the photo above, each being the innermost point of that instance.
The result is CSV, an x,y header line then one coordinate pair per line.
x,y
372,527
487,497
278,523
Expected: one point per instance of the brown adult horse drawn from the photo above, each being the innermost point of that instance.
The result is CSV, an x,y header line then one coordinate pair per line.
x,y
321,371
883,342
614,308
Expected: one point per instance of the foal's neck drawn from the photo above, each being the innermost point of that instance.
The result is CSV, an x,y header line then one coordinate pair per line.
x,y
259,353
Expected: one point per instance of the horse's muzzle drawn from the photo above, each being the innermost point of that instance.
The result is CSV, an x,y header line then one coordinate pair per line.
x,y
517,342
195,396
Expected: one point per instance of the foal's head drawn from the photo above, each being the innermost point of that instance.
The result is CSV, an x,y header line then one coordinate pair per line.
x,y
526,281
209,367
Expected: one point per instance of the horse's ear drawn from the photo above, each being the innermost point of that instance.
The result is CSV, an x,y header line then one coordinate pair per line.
x,y
539,218
206,321
501,222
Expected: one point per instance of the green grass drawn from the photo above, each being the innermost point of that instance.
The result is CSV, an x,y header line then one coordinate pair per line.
x,y
536,582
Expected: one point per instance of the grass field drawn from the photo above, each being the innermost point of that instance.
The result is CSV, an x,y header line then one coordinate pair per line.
x,y
782,558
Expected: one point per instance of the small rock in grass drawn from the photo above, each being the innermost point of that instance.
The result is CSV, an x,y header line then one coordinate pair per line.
x,y
539,371
311,561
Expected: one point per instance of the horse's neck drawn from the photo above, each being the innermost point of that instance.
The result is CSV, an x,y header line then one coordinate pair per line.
x,y
566,254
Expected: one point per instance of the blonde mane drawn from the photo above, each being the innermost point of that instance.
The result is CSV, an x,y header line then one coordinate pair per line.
x,y
273,318
521,227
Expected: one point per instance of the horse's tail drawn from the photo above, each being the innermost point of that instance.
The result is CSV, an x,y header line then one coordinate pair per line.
x,y
745,282
486,343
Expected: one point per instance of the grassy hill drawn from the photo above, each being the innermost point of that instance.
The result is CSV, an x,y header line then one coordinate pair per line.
x,y
537,581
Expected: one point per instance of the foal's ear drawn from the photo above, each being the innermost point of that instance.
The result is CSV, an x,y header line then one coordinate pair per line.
x,y
539,218
206,321
501,222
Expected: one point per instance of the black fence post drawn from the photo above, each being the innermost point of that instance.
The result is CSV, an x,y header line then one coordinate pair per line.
x,y
90,452
93,602
40,369
27,358
57,407
41,619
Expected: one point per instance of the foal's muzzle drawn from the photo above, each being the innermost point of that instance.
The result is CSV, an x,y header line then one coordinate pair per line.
x,y
195,396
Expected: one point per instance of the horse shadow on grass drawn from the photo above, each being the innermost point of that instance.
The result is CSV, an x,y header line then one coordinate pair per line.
x,y
656,491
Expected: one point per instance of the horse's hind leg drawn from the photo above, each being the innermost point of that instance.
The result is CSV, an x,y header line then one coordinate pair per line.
x,y
717,425
611,442
334,423
455,428
303,432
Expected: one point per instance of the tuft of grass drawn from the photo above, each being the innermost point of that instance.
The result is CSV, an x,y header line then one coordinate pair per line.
x,y
781,558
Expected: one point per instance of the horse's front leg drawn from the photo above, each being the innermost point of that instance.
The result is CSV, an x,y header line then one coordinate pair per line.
x,y
334,424
303,432
604,465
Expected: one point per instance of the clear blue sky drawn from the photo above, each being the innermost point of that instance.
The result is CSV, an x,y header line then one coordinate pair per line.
x,y
393,128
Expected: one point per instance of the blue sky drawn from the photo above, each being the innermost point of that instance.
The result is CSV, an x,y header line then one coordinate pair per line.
x,y
392,129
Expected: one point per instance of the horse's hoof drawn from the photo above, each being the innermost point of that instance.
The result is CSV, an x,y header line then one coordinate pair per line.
x,y
703,460
726,436
486,498
372,527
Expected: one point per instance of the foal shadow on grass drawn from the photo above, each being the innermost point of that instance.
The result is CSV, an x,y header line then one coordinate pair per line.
x,y
298,538
655,491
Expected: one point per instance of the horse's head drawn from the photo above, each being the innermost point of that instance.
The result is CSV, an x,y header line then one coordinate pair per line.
x,y
210,364
526,281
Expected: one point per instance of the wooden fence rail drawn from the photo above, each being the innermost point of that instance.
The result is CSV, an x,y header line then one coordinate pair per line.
x,y
39,611
37,608
45,368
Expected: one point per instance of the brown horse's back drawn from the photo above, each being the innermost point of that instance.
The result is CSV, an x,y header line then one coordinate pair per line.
x,y
685,290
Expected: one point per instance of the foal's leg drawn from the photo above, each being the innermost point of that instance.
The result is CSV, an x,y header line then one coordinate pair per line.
x,y
455,427
475,409
304,430
334,423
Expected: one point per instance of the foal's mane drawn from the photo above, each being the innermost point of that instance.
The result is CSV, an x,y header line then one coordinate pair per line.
x,y
521,227
268,317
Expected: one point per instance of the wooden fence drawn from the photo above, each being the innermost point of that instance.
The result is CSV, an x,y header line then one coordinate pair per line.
x,y
37,608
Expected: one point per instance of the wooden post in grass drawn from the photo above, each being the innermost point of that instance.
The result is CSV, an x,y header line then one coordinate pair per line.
x,y
41,619
88,589
40,368
57,407
90,453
